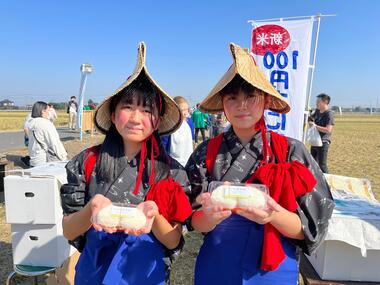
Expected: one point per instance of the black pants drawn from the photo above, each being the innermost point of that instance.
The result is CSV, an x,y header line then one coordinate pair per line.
x,y
320,155
202,132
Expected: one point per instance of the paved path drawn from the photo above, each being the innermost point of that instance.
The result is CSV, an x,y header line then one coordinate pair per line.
x,y
15,140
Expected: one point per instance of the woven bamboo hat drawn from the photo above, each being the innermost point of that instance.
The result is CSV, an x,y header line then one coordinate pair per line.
x,y
172,118
244,66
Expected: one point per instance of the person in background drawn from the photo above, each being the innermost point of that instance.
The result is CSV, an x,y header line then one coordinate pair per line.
x,y
191,125
180,143
323,119
52,113
199,119
217,125
44,142
28,119
72,110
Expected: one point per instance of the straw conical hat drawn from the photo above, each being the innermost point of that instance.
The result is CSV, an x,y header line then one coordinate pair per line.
x,y
245,66
172,117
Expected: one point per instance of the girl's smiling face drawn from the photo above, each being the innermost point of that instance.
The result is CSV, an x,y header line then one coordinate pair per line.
x,y
244,109
134,121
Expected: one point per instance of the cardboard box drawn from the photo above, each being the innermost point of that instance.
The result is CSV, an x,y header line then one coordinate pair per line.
x,y
32,200
40,245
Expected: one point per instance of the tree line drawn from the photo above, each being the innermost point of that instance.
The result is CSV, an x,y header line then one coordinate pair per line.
x,y
57,105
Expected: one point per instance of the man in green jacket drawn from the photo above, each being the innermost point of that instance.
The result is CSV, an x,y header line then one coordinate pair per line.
x,y
199,118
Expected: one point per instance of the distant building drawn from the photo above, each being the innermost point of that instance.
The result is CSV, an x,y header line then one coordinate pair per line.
x,y
7,103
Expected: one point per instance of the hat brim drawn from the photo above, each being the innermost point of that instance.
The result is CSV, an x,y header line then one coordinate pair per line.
x,y
244,66
172,118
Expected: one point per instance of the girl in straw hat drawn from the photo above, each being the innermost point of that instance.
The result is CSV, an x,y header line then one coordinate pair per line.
x,y
255,246
129,167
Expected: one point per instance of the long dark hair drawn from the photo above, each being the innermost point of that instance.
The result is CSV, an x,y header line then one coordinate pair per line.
x,y
111,153
37,109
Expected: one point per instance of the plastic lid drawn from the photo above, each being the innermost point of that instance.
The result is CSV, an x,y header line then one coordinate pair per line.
x,y
238,195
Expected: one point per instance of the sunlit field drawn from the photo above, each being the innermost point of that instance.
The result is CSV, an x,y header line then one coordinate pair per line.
x,y
14,121
355,148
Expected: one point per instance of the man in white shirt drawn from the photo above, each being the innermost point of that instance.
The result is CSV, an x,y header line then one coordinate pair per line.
x,y
72,110
181,141
52,113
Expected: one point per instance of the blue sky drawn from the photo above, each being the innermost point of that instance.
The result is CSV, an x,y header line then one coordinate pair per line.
x,y
43,44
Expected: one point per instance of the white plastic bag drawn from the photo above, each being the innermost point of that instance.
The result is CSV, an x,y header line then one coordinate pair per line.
x,y
313,136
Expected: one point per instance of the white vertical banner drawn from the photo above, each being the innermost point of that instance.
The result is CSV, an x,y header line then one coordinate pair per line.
x,y
282,51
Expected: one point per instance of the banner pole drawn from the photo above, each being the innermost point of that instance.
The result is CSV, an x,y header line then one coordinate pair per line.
x,y
85,69
81,99
290,18
307,107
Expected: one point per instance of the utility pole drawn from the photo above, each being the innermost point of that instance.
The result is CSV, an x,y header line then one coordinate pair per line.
x,y
85,70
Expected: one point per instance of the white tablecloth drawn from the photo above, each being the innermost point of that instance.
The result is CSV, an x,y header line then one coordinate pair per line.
x,y
356,222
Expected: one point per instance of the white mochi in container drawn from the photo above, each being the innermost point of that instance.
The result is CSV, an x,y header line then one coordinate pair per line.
x,y
105,218
131,217
121,216
238,195
218,198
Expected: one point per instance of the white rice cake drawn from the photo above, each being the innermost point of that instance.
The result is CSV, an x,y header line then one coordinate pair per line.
x,y
121,217
233,196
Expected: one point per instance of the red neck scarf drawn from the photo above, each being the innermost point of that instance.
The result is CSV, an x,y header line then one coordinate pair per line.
x,y
286,181
154,152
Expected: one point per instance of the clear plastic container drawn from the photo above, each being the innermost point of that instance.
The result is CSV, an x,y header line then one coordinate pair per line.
x,y
238,195
122,216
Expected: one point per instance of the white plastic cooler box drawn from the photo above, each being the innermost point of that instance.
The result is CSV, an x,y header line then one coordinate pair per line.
x,y
33,208
39,245
337,260
32,200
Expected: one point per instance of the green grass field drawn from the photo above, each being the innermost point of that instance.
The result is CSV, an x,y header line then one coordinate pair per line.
x,y
355,151
355,148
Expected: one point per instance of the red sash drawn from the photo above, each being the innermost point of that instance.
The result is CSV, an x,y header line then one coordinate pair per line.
x,y
90,158
285,180
169,196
